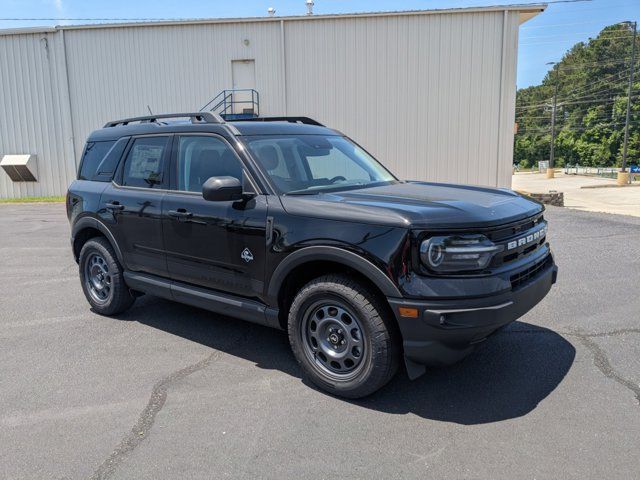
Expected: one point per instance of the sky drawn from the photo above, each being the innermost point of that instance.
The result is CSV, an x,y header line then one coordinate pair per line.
x,y
543,39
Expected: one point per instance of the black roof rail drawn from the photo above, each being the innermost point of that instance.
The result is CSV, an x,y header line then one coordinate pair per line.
x,y
197,117
306,120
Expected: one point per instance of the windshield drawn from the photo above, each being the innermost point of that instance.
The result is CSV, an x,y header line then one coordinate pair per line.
x,y
307,164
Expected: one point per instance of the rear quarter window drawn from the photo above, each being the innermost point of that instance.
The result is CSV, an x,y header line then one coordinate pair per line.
x,y
100,160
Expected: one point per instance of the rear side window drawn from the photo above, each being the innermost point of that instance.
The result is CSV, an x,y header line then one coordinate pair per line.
x,y
144,165
94,154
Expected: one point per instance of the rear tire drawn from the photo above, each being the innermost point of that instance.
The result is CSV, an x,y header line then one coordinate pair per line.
x,y
101,278
343,336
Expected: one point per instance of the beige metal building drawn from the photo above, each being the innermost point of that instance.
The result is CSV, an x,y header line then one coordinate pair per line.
x,y
430,93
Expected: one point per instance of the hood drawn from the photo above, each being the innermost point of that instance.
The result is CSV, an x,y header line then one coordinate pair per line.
x,y
417,204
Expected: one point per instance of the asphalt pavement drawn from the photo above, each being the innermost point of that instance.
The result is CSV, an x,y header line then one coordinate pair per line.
x,y
170,391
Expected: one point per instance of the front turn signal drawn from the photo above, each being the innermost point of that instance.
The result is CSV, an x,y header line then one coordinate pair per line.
x,y
408,312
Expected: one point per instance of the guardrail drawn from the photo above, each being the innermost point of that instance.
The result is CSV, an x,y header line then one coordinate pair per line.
x,y
227,102
604,172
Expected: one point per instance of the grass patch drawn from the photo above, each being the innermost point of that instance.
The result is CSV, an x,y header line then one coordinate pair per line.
x,y
33,200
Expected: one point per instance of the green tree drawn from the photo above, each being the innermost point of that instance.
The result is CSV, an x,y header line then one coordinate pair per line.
x,y
592,82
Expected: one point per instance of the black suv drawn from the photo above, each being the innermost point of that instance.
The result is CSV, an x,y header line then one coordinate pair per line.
x,y
287,223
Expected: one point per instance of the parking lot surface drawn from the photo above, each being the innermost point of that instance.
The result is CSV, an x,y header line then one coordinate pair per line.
x,y
586,193
170,391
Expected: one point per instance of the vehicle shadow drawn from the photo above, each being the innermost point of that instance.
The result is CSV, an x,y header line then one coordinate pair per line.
x,y
506,377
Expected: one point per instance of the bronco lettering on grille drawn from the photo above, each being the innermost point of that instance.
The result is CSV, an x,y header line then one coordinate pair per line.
x,y
527,239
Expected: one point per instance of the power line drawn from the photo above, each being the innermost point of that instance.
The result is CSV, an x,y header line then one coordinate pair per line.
x,y
609,90
582,90
607,34
612,126
598,100
594,64
597,39
526,107
587,88
595,121
595,100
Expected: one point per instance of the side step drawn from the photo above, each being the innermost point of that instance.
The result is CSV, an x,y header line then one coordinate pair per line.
x,y
222,303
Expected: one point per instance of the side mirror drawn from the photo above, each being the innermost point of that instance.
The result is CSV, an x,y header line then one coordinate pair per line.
x,y
222,189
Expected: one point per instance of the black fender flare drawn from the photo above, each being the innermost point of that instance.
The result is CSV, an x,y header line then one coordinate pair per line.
x,y
92,222
333,254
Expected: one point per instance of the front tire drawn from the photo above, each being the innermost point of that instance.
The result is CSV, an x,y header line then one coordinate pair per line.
x,y
101,278
343,337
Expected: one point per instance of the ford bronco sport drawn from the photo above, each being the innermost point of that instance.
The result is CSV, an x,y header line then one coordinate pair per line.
x,y
287,223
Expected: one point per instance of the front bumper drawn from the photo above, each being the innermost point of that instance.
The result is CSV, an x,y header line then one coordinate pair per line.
x,y
445,331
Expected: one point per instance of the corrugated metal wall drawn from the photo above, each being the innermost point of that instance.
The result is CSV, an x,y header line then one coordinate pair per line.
x,y
423,93
34,112
432,96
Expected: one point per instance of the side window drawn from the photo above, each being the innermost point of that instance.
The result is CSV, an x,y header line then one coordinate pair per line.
x,y
144,165
94,154
202,157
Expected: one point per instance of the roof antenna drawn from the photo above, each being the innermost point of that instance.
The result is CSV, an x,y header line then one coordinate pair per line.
x,y
271,11
309,7
149,108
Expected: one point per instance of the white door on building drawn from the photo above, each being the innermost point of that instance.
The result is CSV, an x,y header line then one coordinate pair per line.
x,y
243,74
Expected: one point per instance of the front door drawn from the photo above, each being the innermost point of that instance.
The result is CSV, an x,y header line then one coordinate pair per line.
x,y
131,207
217,245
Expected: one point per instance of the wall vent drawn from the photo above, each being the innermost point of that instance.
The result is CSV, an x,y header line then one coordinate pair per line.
x,y
20,168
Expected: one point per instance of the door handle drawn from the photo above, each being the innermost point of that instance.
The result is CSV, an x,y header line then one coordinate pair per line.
x,y
114,206
181,214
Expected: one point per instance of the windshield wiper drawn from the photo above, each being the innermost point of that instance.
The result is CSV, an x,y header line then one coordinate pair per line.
x,y
303,192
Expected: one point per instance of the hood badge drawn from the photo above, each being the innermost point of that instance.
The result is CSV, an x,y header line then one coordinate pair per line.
x,y
246,255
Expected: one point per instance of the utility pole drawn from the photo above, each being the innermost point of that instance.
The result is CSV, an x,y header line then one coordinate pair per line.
x,y
550,170
629,91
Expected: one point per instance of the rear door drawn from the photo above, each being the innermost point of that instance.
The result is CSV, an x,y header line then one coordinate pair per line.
x,y
217,245
132,204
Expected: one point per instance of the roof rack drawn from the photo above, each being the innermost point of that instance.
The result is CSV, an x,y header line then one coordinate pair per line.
x,y
197,117
306,120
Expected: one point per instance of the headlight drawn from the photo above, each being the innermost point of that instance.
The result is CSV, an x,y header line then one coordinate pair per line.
x,y
457,253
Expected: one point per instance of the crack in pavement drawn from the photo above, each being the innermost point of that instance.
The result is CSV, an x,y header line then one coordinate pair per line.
x,y
622,331
145,421
600,358
603,364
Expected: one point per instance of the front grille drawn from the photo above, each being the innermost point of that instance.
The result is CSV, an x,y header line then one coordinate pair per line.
x,y
502,233
524,276
519,241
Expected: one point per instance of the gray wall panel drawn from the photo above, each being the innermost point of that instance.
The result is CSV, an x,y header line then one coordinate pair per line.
x,y
420,92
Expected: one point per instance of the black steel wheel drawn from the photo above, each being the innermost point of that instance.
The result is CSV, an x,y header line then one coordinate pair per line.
x,y
343,336
98,278
101,278
333,339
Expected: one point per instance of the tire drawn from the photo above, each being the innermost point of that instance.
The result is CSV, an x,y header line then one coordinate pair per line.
x,y
343,336
101,278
